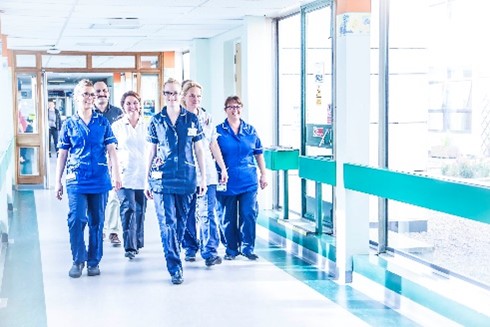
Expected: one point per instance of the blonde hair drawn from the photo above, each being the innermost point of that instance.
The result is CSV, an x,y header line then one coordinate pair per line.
x,y
81,84
171,81
187,86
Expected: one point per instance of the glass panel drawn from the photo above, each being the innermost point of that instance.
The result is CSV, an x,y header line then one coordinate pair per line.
x,y
25,61
441,126
318,84
318,104
127,81
28,160
113,62
290,100
27,103
64,61
149,94
186,66
149,62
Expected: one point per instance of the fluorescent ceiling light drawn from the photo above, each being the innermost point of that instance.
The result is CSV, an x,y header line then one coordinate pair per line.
x,y
95,44
118,23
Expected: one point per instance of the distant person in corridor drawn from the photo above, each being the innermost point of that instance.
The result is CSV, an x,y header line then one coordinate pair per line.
x,y
54,122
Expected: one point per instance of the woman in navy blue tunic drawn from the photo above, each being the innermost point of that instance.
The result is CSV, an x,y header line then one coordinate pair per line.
x,y
173,135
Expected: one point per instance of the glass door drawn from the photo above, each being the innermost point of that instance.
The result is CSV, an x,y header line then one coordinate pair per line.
x,y
317,106
30,167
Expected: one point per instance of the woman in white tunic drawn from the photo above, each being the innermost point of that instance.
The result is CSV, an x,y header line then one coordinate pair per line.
x,y
130,132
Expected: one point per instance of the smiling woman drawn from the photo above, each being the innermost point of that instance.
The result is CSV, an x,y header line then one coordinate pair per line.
x,y
87,177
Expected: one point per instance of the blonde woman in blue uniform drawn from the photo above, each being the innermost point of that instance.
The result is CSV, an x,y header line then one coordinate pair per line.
x,y
84,142
173,135
203,209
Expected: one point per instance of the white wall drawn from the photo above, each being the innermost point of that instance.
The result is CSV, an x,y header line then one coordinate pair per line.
x,y
6,139
212,66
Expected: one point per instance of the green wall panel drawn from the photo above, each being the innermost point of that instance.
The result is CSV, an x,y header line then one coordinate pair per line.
x,y
281,159
318,169
460,199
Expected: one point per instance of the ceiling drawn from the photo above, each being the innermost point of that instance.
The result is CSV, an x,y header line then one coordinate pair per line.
x,y
127,26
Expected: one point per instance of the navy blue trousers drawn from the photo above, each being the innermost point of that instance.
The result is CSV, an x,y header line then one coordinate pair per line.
x,y
172,211
86,209
202,214
132,210
238,219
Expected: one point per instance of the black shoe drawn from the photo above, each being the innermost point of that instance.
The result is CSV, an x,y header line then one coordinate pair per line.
x,y
190,257
229,257
177,278
251,256
216,260
76,270
93,271
115,241
130,254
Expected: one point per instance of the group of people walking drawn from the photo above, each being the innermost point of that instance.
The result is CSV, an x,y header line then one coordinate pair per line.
x,y
202,178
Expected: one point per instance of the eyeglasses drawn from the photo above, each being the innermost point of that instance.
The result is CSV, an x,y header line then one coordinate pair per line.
x,y
233,107
86,95
168,93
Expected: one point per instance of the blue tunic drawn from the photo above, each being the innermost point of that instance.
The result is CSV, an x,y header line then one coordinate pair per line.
x,y
87,170
174,158
239,155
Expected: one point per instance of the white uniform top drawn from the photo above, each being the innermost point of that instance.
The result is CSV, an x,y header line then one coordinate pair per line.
x,y
209,135
131,144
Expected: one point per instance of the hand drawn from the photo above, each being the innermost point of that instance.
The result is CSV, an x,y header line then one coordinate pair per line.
x,y
148,193
202,188
58,191
224,177
263,181
116,182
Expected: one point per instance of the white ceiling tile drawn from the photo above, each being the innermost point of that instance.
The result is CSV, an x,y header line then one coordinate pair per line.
x,y
160,25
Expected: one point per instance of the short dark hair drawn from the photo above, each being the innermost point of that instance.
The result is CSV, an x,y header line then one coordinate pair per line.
x,y
234,98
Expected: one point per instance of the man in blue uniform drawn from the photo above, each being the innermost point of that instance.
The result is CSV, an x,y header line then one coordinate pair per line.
x,y
85,140
173,134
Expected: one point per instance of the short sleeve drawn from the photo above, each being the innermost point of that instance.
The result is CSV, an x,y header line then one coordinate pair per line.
x,y
63,138
151,135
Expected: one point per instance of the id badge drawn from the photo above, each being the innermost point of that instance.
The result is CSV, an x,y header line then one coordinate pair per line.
x,y
156,174
70,176
191,131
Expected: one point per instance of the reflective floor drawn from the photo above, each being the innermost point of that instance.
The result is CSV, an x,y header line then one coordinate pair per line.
x,y
277,290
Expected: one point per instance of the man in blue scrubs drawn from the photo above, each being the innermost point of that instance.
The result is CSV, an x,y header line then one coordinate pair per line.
x,y
173,134
85,140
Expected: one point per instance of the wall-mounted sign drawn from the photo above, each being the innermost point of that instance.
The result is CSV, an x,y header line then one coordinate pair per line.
x,y
319,135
